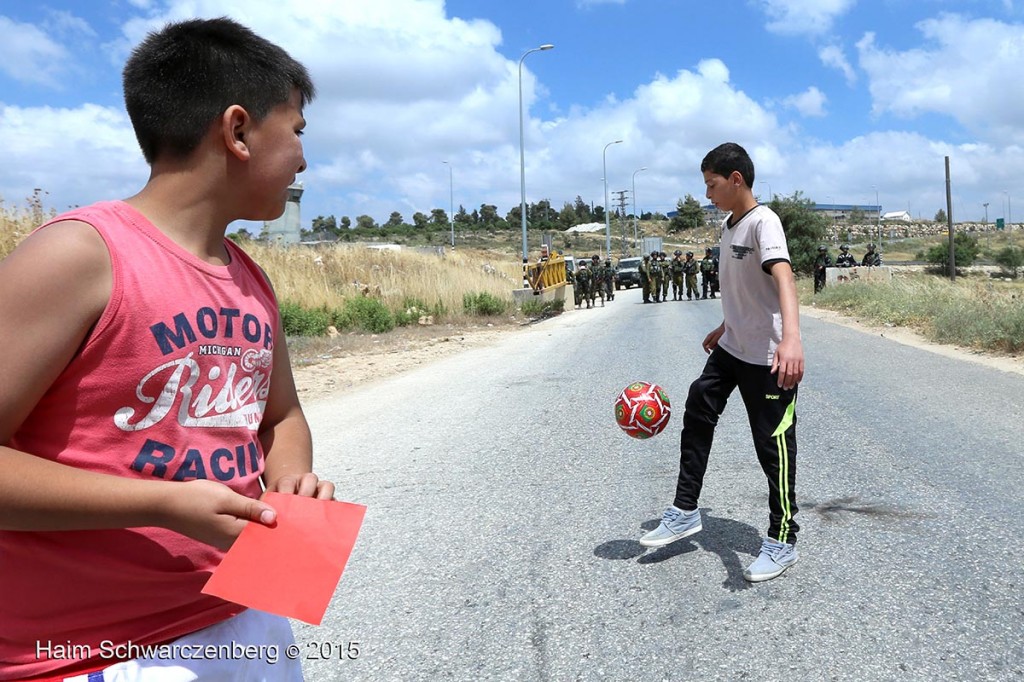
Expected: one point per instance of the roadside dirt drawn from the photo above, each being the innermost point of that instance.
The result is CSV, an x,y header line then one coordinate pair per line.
x,y
328,366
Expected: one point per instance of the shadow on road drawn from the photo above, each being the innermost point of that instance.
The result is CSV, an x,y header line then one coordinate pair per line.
x,y
725,537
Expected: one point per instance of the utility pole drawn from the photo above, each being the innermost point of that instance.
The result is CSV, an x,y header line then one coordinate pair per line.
x,y
621,198
949,221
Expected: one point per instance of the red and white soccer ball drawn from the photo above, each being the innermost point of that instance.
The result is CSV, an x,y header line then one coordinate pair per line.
x,y
642,409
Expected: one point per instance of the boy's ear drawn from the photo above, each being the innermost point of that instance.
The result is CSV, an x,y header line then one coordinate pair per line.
x,y
235,125
736,178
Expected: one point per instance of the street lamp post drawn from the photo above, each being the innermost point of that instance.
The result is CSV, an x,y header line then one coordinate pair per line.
x,y
607,221
451,202
878,217
522,156
988,238
634,204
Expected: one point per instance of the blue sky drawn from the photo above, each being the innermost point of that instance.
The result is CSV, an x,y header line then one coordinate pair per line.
x,y
838,99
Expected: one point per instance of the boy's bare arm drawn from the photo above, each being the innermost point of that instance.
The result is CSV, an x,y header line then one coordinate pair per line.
x,y
53,289
788,362
284,432
711,340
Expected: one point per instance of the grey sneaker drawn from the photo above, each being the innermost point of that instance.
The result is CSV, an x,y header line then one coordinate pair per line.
x,y
774,559
676,524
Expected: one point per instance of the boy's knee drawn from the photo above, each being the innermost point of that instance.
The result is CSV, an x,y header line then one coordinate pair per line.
x,y
699,409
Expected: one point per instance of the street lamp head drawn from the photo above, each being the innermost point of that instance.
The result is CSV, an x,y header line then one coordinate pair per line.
x,y
546,46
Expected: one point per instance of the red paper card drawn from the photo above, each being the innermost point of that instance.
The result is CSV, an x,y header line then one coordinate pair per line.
x,y
293,568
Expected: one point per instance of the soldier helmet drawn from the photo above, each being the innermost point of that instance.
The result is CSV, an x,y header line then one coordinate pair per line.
x,y
689,254
607,261
678,252
647,256
708,250
871,247
822,248
595,257
654,254
844,247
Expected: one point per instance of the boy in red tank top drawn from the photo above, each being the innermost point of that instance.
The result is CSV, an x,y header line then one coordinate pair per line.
x,y
148,399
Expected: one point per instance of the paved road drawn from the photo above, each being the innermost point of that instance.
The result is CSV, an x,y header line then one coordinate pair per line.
x,y
505,505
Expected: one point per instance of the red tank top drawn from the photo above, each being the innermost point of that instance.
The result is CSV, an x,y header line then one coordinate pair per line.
x,y
171,384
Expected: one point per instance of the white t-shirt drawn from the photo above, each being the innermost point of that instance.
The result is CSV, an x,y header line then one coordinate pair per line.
x,y
750,297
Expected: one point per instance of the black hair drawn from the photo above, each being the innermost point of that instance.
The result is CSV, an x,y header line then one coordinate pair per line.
x,y
180,79
729,157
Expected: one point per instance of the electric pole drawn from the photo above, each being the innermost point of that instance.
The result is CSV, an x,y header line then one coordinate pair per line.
x,y
621,198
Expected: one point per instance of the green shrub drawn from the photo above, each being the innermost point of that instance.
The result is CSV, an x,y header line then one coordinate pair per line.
x,y
965,250
299,321
1010,259
368,314
483,304
536,308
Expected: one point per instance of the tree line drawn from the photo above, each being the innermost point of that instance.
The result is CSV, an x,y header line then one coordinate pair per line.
x,y
540,215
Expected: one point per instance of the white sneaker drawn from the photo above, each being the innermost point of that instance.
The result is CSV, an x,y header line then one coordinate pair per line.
x,y
676,524
774,559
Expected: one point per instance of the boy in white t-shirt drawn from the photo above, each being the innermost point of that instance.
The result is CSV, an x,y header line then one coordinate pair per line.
x,y
756,348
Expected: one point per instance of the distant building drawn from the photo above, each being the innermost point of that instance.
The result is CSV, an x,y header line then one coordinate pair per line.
x,y
842,212
287,229
897,217
713,216
837,212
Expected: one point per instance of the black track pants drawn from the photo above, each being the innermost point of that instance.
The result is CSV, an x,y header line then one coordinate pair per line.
x,y
772,415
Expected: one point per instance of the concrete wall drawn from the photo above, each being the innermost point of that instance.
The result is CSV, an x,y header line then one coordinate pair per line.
x,y
559,293
882,273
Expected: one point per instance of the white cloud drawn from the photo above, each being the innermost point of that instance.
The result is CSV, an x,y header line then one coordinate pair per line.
x,y
29,55
800,17
67,25
78,155
810,102
404,87
835,57
967,70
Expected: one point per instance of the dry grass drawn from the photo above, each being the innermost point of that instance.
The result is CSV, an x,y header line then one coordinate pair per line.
x,y
328,275
983,315
325,276
16,222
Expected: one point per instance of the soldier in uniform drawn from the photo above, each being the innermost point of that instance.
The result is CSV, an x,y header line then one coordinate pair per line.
x,y
657,276
645,277
676,269
666,274
690,269
822,262
609,280
596,280
708,273
871,258
583,282
845,258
